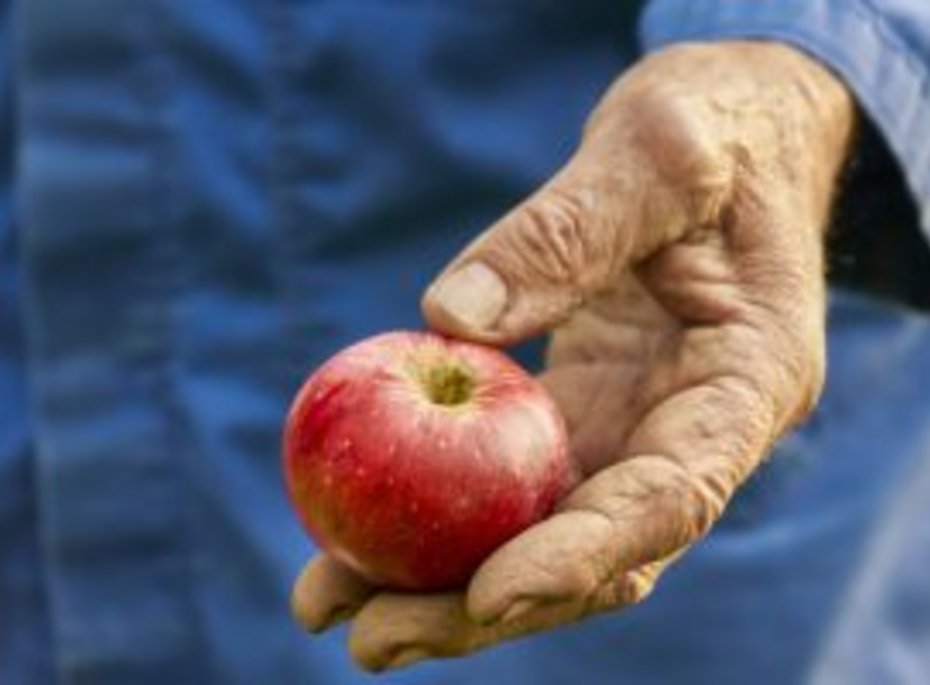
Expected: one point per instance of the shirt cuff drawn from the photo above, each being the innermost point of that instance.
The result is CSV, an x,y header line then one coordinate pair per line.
x,y
890,79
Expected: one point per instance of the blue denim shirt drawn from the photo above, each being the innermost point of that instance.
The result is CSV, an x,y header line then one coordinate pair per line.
x,y
199,202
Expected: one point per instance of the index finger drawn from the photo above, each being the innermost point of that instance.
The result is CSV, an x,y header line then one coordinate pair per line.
x,y
682,465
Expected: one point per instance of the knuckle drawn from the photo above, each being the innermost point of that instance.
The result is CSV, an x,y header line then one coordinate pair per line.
x,y
686,504
701,502
713,454
749,405
783,374
671,503
796,371
588,564
809,371
553,236
685,150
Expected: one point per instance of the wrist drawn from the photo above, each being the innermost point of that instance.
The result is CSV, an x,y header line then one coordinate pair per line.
x,y
830,115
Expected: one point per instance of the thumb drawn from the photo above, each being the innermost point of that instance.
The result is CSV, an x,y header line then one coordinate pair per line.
x,y
533,268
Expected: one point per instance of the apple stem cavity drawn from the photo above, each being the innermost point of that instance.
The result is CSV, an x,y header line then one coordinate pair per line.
x,y
449,385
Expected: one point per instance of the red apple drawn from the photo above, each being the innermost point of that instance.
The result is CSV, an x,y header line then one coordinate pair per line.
x,y
410,457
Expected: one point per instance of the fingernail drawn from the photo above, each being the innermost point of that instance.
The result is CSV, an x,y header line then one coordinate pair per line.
x,y
474,296
517,610
408,656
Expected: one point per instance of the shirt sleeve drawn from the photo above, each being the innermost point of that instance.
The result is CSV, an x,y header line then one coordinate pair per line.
x,y
881,48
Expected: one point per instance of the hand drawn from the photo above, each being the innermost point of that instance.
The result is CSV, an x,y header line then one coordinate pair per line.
x,y
678,261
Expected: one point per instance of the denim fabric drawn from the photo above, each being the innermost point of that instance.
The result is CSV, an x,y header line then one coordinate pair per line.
x,y
199,202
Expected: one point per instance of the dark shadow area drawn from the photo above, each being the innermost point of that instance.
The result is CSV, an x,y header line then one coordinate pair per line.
x,y
876,245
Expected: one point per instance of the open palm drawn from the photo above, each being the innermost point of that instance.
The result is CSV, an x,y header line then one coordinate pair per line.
x,y
677,261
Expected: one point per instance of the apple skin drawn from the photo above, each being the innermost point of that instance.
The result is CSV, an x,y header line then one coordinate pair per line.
x,y
410,457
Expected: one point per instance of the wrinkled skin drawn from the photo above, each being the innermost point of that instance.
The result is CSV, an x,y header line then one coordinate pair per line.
x,y
678,261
